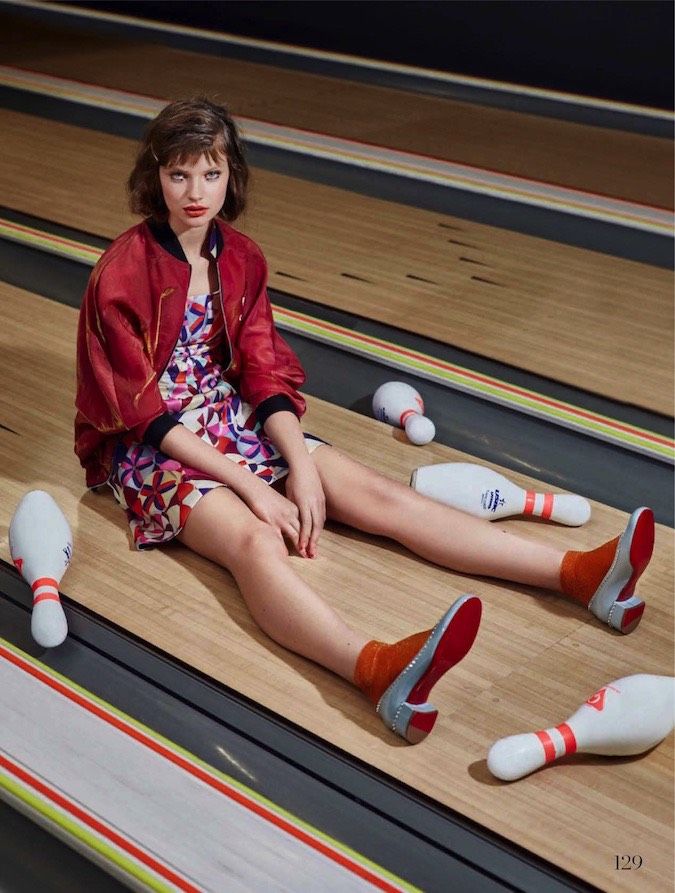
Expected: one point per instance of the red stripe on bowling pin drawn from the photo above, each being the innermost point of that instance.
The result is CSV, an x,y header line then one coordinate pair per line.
x,y
405,416
568,740
539,504
548,506
547,744
45,589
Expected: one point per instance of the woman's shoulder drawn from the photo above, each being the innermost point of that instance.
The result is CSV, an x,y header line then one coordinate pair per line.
x,y
121,261
132,241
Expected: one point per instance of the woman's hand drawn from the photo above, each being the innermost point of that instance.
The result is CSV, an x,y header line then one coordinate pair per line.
x,y
264,501
271,507
304,489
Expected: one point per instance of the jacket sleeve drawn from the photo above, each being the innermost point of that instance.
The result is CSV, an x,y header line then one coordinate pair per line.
x,y
117,387
269,367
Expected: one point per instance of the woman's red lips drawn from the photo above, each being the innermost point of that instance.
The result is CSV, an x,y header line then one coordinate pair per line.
x,y
195,210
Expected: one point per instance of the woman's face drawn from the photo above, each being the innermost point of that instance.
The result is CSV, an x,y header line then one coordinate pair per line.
x,y
194,191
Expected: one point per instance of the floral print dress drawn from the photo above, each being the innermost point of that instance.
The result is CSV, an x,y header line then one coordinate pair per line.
x,y
157,492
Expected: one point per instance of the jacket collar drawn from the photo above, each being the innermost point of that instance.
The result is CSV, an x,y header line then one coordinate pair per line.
x,y
166,237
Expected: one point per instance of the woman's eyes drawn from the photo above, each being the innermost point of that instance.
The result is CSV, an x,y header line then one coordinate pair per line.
x,y
178,177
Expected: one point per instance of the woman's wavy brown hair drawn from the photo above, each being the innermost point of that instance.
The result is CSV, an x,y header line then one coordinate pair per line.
x,y
182,131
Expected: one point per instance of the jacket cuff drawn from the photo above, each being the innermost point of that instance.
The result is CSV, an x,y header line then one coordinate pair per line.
x,y
158,429
277,403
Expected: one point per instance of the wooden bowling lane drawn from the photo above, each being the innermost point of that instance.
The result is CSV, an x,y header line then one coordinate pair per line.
x,y
622,165
536,657
543,693
586,319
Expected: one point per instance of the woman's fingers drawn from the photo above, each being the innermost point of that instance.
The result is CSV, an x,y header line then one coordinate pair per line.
x,y
318,520
291,533
289,523
305,528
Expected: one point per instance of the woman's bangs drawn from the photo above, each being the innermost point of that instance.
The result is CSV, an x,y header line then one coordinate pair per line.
x,y
191,153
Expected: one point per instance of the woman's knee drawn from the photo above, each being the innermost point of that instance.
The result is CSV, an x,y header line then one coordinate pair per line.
x,y
257,540
246,544
222,528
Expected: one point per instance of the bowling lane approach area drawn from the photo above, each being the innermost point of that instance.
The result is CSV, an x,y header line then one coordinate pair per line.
x,y
336,447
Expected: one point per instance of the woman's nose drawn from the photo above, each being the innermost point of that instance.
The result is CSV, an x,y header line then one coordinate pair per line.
x,y
194,190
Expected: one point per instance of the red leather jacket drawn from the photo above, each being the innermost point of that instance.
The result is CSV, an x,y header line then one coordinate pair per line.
x,y
129,324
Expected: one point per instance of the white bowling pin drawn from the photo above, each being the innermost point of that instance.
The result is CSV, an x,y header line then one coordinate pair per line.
x,y
396,403
487,494
626,717
41,546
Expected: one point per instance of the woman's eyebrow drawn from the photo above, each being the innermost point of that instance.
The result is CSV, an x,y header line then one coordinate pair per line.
x,y
175,169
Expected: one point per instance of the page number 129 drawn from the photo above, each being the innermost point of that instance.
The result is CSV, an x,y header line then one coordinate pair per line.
x,y
627,863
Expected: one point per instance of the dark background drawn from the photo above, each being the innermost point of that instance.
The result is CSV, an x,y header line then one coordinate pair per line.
x,y
614,49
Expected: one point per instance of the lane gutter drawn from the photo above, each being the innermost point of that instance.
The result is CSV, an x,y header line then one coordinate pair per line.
x,y
409,165
395,356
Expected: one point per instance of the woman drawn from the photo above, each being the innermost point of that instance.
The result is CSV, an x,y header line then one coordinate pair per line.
x,y
188,408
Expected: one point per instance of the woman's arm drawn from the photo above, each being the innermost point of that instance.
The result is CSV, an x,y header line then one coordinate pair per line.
x,y
269,366
270,370
303,484
266,503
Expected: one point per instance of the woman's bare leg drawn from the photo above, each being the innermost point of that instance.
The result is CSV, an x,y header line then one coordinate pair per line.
x,y
222,528
365,499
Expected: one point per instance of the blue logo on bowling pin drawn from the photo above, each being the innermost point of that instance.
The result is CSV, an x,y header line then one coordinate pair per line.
x,y
490,500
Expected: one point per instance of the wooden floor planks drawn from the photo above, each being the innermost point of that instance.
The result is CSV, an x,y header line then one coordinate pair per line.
x,y
583,318
581,156
536,658
590,320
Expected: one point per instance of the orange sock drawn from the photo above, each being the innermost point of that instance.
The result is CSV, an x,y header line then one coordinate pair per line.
x,y
379,664
581,572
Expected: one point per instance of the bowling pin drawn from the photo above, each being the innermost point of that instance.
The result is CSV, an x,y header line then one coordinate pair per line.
x,y
41,546
626,717
487,494
396,403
